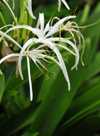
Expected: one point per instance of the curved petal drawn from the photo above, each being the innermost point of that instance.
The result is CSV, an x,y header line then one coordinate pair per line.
x,y
29,8
8,56
62,66
33,30
66,49
69,42
76,50
10,10
65,3
55,28
11,39
21,54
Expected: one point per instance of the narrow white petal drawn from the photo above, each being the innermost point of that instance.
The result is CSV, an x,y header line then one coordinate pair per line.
x,y
66,49
54,19
51,32
62,66
83,49
8,56
76,50
42,21
34,54
41,46
33,30
62,20
30,82
51,58
69,42
58,24
65,3
29,8
48,43
46,28
72,35
4,34
21,54
41,64
10,10
54,39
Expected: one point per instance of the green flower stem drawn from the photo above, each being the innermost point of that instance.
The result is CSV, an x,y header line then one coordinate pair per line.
x,y
24,33
22,11
3,21
30,22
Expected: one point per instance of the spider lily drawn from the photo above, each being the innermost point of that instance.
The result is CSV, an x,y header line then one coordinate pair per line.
x,y
44,36
34,54
64,2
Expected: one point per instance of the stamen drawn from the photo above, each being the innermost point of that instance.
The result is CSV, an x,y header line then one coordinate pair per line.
x,y
75,10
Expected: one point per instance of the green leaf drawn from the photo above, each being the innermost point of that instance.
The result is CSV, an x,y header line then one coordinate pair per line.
x,y
85,104
88,126
30,132
85,13
18,121
8,94
2,82
94,48
3,21
58,98
92,30
93,68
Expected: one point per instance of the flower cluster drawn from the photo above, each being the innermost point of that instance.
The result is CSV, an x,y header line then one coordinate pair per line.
x,y
44,36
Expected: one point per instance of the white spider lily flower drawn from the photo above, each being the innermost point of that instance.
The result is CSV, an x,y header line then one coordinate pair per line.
x,y
53,47
29,8
10,9
44,36
35,55
64,2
